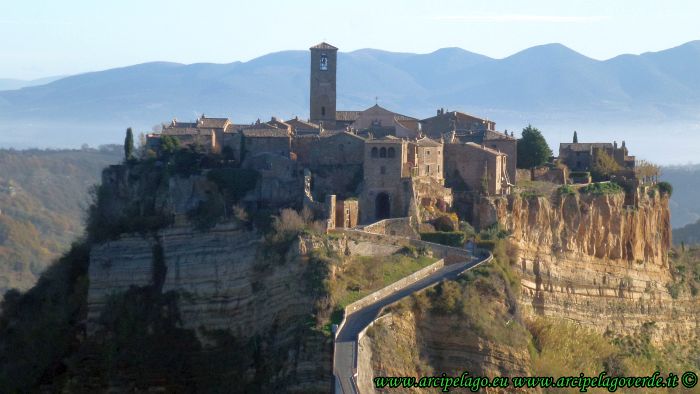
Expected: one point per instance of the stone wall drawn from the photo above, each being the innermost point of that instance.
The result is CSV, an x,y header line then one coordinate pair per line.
x,y
277,145
398,285
558,175
449,253
399,226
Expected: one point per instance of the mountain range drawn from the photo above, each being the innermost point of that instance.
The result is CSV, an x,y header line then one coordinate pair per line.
x,y
548,85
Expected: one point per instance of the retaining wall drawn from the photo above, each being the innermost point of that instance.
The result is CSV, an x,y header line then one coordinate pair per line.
x,y
398,285
401,227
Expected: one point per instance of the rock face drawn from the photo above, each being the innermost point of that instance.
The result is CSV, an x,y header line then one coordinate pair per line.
x,y
597,261
404,343
223,283
591,259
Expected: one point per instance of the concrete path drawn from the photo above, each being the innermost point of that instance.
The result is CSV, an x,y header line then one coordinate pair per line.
x,y
346,339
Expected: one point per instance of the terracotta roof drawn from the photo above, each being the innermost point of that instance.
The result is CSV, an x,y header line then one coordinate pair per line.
x,y
411,124
177,124
324,45
347,115
260,126
585,146
268,133
427,142
485,149
389,139
330,134
213,123
490,135
186,131
300,124
353,115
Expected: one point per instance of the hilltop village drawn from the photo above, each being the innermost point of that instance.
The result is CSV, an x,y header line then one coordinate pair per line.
x,y
376,164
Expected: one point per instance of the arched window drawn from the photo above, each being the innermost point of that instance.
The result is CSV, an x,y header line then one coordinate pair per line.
x,y
374,152
323,111
382,152
391,152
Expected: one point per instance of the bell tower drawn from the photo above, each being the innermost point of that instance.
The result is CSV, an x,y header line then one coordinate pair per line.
x,y
322,89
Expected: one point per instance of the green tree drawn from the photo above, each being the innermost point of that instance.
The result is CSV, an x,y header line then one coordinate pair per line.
x,y
169,144
603,166
129,145
575,137
533,150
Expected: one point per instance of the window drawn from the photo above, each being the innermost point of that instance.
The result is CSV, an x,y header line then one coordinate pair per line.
x,y
391,152
438,168
427,168
374,152
382,152
427,152
382,170
323,111
324,62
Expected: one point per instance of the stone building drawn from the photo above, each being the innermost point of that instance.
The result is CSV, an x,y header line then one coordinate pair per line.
x,y
455,125
476,168
581,156
380,122
360,166
265,138
385,189
400,177
300,127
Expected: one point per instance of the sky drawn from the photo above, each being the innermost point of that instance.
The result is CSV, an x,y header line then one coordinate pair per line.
x,y
42,38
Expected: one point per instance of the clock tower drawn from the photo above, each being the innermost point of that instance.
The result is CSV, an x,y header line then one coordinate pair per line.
x,y
322,89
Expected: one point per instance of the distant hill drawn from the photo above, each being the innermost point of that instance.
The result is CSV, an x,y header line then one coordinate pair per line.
x,y
551,85
685,201
43,195
10,84
688,234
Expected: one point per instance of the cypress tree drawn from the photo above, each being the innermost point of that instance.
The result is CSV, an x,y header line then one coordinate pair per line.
x,y
129,145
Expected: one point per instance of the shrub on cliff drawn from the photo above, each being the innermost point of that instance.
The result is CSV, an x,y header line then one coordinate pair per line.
x,y
602,188
449,238
665,188
566,190
443,223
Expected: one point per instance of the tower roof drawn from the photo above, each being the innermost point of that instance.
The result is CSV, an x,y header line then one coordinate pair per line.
x,y
324,45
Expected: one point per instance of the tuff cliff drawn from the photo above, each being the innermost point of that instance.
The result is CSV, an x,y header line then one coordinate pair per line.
x,y
224,280
173,241
599,261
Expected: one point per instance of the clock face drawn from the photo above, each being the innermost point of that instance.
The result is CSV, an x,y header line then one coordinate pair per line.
x,y
324,62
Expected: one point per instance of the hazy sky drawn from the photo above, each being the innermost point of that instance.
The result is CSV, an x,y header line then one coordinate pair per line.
x,y
41,38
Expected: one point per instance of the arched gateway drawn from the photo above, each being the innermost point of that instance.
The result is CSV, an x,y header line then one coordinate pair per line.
x,y
382,206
